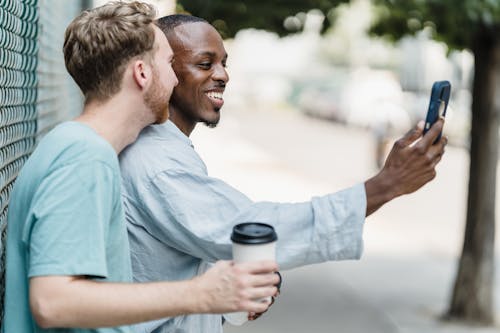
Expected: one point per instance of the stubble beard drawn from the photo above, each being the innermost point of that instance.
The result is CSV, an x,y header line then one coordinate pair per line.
x,y
212,123
156,99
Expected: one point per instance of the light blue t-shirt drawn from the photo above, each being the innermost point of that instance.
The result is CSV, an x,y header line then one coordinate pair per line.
x,y
180,219
65,218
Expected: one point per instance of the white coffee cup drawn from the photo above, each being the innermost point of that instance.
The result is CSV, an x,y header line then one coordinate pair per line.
x,y
251,242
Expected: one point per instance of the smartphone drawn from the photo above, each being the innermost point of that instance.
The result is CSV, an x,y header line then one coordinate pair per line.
x,y
440,95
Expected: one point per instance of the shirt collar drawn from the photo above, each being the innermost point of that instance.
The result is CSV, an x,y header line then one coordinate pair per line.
x,y
169,129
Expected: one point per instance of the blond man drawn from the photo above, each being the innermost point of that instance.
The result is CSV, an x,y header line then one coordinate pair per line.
x,y
68,261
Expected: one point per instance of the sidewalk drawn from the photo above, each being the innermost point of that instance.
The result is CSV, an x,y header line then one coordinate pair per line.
x,y
404,279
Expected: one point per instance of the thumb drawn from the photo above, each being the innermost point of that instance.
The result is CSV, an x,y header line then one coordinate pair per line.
x,y
413,135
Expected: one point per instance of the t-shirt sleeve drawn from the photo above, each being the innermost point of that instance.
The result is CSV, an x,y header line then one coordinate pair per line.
x,y
71,215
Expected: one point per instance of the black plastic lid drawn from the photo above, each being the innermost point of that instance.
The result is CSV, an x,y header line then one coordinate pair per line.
x,y
253,233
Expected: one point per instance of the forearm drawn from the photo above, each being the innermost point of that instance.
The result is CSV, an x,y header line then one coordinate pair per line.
x,y
73,301
79,302
326,228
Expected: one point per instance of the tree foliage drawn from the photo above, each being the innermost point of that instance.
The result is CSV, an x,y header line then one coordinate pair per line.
x,y
231,16
454,22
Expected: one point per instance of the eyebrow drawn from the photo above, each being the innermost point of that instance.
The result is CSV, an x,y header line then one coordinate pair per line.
x,y
210,54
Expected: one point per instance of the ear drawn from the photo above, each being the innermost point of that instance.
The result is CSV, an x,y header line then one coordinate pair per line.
x,y
142,73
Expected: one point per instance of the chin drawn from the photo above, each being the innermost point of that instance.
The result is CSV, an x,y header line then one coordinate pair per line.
x,y
211,125
213,120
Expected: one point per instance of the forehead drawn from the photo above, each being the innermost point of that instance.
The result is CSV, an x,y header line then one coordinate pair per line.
x,y
191,39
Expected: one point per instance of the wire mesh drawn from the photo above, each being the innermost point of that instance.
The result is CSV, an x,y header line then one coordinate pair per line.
x,y
18,93
36,93
58,96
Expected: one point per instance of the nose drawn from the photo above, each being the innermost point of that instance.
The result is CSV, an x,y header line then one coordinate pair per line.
x,y
220,74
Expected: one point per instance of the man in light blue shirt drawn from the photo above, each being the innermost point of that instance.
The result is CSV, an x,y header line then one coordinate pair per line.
x,y
67,256
179,218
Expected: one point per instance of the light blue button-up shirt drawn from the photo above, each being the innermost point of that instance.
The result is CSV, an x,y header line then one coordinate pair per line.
x,y
179,219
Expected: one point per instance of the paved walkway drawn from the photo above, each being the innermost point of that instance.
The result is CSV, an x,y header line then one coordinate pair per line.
x,y
403,281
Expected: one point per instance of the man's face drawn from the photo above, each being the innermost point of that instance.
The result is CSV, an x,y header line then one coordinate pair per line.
x,y
200,61
158,94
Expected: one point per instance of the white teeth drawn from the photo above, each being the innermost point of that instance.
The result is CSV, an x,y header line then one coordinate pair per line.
x,y
214,94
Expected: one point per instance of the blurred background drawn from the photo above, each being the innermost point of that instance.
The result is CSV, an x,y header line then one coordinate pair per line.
x,y
318,92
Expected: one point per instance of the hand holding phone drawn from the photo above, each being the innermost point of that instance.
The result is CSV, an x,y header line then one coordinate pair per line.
x,y
440,95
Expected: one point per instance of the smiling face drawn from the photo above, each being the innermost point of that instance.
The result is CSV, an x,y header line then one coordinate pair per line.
x,y
199,63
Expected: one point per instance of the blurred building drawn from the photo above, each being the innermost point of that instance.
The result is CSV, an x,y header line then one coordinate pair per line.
x,y
347,75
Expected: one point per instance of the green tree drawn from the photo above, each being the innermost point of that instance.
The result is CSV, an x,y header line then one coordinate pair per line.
x,y
473,25
231,16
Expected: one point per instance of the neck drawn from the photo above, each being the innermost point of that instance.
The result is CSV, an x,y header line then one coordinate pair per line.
x,y
184,123
118,120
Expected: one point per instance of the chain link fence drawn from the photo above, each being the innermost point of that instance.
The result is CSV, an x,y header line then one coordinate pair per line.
x,y
58,96
36,93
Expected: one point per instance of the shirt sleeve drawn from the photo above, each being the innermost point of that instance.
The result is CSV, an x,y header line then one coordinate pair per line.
x,y
70,221
195,214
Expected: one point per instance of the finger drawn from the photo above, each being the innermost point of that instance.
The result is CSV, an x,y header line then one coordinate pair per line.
x,y
433,133
436,160
264,280
253,316
256,307
262,294
259,267
443,142
438,148
412,135
278,285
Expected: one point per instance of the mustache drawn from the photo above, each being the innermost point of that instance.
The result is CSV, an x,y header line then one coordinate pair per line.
x,y
218,85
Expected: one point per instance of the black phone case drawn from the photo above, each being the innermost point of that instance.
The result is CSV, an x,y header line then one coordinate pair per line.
x,y
440,93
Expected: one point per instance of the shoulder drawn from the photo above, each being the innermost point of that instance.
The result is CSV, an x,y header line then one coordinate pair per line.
x,y
155,153
74,143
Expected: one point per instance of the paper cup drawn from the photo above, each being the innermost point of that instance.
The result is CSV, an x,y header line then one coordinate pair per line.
x,y
251,242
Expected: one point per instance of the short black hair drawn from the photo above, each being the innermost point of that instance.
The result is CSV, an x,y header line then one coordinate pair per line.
x,y
169,22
